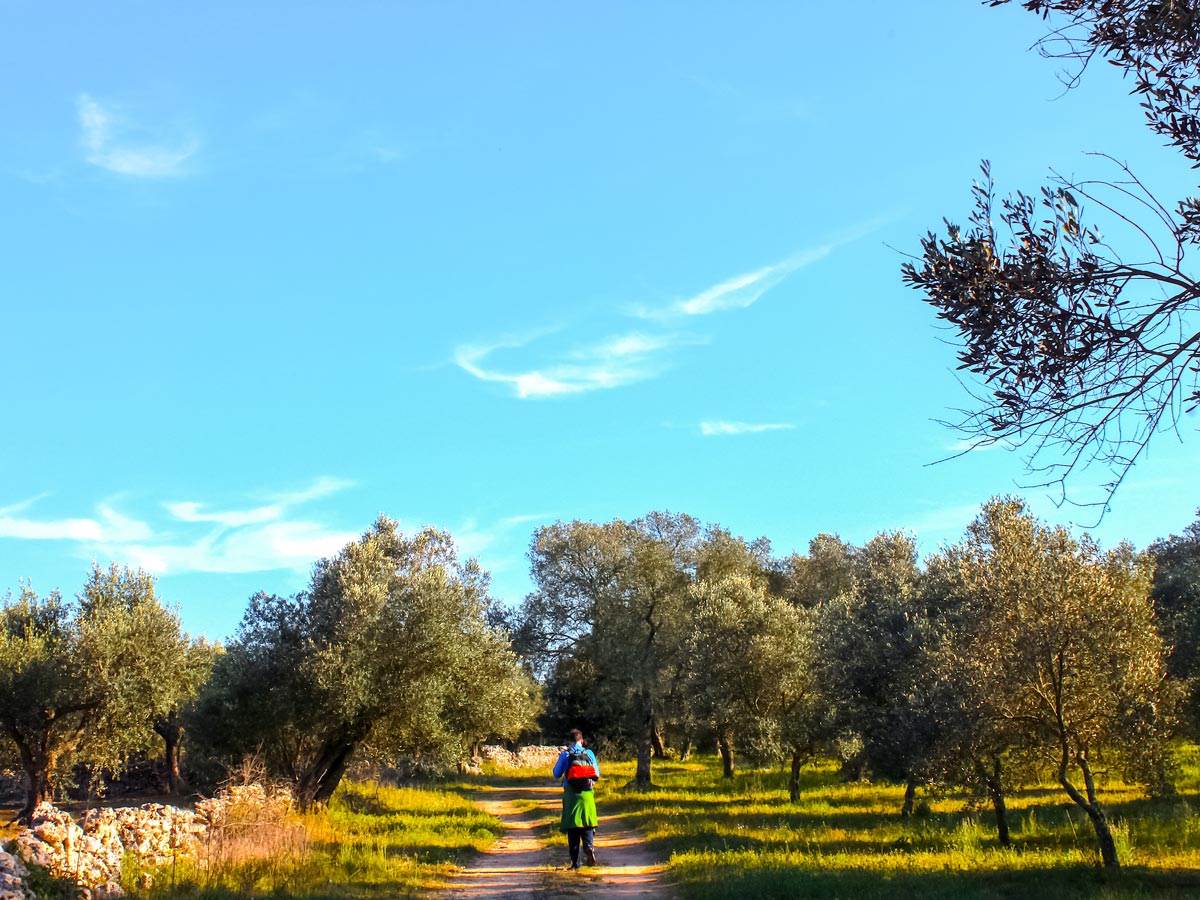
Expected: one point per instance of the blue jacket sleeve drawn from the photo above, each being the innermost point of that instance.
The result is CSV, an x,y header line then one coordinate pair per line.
x,y
595,764
560,767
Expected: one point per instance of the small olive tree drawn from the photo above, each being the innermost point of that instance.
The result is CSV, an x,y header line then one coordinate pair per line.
x,y
1061,649
751,672
874,635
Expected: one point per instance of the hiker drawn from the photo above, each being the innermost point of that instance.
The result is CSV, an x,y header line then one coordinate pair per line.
x,y
579,771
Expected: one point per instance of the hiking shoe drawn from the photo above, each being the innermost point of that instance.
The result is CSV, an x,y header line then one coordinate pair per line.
x,y
591,858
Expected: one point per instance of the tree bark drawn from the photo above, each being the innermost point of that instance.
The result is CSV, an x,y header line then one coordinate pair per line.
x,y
685,749
794,778
659,751
641,776
725,745
319,779
1091,806
171,732
996,790
910,794
333,775
38,764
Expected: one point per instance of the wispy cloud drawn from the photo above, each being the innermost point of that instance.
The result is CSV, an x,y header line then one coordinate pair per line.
x,y
106,525
634,356
191,511
613,362
194,537
321,487
977,445
261,548
952,519
746,289
733,293
113,143
724,429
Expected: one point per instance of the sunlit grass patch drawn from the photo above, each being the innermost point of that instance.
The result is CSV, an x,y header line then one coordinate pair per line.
x,y
371,841
742,837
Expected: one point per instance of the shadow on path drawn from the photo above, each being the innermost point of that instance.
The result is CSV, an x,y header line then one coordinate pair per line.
x,y
519,865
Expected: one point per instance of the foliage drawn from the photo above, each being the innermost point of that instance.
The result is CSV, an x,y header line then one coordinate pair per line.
x,y
872,639
1081,356
751,672
611,617
1176,595
1061,651
388,650
88,679
617,592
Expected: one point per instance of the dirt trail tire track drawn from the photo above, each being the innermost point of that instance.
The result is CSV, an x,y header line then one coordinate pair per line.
x,y
520,866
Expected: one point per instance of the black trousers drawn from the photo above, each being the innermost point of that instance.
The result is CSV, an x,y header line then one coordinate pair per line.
x,y
584,836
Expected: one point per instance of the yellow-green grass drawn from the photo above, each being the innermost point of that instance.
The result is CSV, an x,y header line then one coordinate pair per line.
x,y
371,841
743,838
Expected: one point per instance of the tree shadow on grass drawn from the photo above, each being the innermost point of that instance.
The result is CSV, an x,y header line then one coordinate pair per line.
x,y
1068,882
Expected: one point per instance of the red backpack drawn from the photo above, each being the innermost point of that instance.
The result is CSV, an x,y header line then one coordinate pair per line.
x,y
581,774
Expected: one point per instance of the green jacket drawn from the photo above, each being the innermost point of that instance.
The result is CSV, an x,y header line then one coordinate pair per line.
x,y
578,809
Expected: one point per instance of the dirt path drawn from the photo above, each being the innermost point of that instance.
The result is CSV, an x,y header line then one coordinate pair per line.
x,y
520,866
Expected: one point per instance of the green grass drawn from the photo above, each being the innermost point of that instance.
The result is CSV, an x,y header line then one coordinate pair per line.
x,y
744,838
372,841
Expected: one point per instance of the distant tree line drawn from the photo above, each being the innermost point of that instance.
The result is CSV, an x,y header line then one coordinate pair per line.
x,y
1020,652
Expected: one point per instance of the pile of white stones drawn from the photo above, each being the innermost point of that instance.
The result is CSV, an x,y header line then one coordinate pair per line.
x,y
91,852
12,878
54,842
534,757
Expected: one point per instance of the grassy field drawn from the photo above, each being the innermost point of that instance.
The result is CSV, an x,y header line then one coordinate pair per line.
x,y
371,842
738,837
743,838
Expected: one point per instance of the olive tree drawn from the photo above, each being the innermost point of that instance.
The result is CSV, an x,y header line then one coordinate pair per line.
x,y
389,649
1061,651
751,672
616,592
1176,595
873,639
88,679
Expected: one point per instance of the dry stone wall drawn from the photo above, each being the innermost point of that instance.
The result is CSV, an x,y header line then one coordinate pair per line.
x,y
534,757
13,875
91,852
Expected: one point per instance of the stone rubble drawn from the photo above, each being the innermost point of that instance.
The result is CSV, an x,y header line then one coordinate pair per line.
x,y
12,878
91,852
533,757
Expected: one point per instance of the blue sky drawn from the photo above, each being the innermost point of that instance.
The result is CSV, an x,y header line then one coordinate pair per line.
x,y
273,269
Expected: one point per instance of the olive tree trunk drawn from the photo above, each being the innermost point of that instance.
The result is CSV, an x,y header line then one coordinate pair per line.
x,y
645,743
37,762
657,746
318,780
1090,805
794,778
171,732
910,794
725,745
995,788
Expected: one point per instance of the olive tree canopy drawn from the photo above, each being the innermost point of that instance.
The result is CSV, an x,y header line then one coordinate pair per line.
x,y
388,649
87,680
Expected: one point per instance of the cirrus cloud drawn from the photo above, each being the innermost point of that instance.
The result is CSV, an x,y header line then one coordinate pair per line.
x,y
113,143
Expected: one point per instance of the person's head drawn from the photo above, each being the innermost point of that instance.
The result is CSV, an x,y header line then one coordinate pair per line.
x,y
575,736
